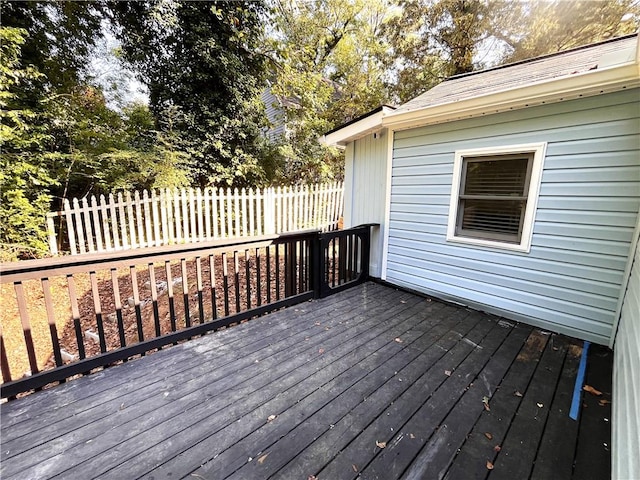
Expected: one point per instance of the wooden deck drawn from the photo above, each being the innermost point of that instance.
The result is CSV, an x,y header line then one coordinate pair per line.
x,y
370,382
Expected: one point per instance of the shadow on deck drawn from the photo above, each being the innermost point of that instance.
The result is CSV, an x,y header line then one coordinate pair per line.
x,y
370,382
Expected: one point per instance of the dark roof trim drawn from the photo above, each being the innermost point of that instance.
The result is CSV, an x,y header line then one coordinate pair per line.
x,y
361,117
541,57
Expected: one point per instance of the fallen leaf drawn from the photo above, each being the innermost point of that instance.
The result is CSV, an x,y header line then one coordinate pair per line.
x,y
489,465
271,418
381,444
540,405
603,402
317,323
591,390
488,435
485,401
411,435
321,351
312,477
497,448
355,467
399,340
447,373
517,393
263,458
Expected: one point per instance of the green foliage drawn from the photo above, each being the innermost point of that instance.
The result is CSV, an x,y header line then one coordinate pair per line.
x,y
202,61
329,64
538,28
24,198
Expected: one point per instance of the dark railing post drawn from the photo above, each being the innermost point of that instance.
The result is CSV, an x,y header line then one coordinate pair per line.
x,y
366,252
316,265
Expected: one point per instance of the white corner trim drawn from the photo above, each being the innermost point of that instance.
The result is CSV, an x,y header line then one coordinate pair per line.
x,y
539,153
387,206
625,282
585,84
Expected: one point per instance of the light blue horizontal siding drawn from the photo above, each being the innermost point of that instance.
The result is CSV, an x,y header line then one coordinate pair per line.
x,y
587,210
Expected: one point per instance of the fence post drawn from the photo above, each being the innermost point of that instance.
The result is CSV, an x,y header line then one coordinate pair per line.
x,y
53,246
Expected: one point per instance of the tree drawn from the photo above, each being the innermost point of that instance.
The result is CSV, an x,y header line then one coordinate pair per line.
x,y
23,173
538,28
202,62
328,60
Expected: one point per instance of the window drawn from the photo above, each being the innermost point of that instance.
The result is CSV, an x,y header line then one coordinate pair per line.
x,y
494,196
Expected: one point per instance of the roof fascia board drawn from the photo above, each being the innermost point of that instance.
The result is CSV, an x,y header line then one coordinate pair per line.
x,y
356,130
578,85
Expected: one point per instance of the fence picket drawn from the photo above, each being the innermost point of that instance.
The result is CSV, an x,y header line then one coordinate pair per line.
x,y
251,212
105,224
96,223
168,216
259,199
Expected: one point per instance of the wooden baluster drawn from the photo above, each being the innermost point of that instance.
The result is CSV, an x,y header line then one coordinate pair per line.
x,y
212,276
154,298
53,330
258,279
136,302
185,291
97,308
225,286
172,306
236,277
4,361
75,313
118,304
247,277
26,326
268,259
199,287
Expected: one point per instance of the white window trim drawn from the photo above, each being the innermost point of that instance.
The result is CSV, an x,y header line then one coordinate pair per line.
x,y
539,152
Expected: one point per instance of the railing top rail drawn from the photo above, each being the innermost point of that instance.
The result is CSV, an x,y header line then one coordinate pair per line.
x,y
40,268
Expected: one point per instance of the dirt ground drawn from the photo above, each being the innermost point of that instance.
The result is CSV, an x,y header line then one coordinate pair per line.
x,y
12,331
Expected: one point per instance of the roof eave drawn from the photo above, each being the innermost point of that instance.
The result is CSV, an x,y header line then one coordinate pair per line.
x,y
590,83
350,132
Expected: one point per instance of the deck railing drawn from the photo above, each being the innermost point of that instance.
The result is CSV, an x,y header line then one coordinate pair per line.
x,y
72,315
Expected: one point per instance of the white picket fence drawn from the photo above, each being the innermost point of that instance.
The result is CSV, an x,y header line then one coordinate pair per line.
x,y
165,217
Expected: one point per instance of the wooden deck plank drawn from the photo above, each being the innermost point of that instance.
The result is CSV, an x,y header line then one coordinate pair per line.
x,y
515,459
437,455
330,417
593,458
223,410
384,428
324,384
557,448
202,390
470,463
340,433
337,381
65,395
401,450
130,404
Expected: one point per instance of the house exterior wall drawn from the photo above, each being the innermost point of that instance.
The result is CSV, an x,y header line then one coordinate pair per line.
x,y
626,382
365,189
570,280
275,115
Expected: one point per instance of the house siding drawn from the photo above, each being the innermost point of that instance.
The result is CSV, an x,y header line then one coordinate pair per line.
x,y
626,382
570,280
365,189
275,116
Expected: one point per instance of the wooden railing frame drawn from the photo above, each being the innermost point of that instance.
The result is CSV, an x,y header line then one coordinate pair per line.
x,y
311,277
